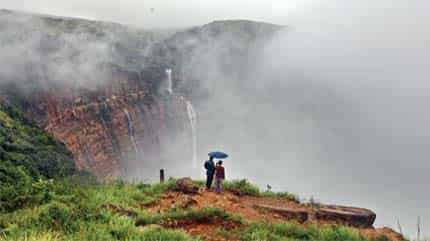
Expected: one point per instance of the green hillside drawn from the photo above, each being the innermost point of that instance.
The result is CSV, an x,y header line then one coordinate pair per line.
x,y
43,197
27,154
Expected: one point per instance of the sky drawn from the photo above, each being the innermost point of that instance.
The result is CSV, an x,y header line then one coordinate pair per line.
x,y
360,130
163,13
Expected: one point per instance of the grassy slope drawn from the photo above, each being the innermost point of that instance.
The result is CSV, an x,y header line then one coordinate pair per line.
x,y
75,212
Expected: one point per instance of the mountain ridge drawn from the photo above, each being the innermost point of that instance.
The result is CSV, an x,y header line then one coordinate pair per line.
x,y
111,81
124,125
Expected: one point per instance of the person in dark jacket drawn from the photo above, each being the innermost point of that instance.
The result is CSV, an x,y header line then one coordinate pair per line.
x,y
219,177
210,172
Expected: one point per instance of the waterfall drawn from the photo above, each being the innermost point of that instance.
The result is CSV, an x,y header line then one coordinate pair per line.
x,y
131,131
169,81
192,117
193,123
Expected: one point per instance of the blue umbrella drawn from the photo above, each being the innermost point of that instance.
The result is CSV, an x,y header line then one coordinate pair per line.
x,y
218,154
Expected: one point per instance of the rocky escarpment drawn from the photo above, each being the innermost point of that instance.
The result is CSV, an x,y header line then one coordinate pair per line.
x,y
113,131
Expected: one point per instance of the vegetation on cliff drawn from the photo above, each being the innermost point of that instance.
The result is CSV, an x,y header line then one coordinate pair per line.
x,y
27,157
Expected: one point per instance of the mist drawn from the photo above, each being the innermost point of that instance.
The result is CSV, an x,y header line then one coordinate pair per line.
x,y
162,14
46,52
29,58
333,108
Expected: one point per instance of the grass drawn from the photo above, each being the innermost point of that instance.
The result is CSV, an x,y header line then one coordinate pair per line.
x,y
5,119
246,188
243,186
97,233
195,215
74,212
290,231
281,195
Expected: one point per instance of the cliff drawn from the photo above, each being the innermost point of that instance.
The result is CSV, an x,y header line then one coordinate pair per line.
x,y
116,134
102,88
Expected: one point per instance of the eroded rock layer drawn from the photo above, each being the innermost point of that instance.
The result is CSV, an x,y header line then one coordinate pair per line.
x,y
114,130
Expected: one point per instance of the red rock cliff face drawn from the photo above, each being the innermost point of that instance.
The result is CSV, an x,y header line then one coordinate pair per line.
x,y
116,130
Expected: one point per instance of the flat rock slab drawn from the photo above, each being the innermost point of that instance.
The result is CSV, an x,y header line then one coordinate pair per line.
x,y
298,215
350,216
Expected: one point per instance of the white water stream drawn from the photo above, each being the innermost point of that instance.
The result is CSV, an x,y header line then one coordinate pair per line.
x,y
192,116
131,131
169,81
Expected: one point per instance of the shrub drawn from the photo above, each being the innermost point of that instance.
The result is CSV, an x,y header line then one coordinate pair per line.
x,y
196,215
281,195
15,187
293,231
23,143
42,191
32,236
243,186
58,216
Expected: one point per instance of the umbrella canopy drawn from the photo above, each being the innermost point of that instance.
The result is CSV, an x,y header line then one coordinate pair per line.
x,y
218,154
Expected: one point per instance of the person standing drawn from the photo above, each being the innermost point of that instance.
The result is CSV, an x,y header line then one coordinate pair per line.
x,y
219,176
210,172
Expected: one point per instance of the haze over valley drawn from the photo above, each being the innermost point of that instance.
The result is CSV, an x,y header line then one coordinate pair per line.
x,y
323,99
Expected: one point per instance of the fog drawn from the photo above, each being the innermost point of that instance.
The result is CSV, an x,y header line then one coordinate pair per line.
x,y
30,57
333,107
163,13
375,140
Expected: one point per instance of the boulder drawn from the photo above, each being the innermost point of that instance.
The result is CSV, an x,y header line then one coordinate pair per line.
x,y
186,186
350,216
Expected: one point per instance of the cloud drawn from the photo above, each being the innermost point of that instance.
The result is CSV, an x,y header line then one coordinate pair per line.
x,y
336,107
165,13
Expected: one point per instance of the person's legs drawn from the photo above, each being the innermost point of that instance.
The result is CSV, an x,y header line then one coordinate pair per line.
x,y
218,183
209,179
